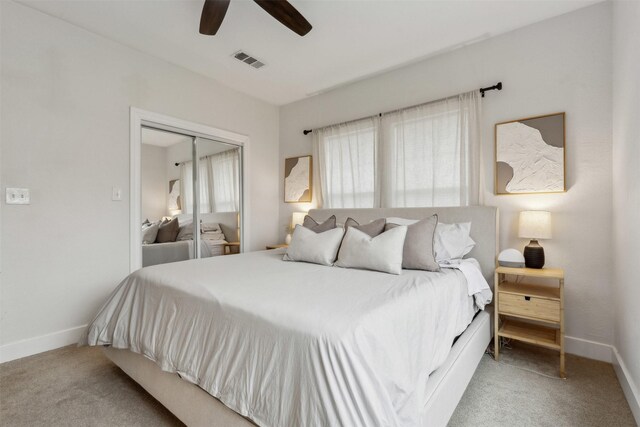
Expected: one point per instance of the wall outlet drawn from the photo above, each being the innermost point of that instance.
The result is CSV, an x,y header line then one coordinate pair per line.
x,y
18,196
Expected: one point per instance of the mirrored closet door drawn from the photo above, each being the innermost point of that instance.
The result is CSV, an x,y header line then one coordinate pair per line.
x,y
191,197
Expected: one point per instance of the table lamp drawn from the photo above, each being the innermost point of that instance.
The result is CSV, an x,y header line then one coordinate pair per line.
x,y
297,218
534,225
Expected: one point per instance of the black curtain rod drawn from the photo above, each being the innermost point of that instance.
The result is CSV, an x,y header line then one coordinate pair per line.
x,y
497,86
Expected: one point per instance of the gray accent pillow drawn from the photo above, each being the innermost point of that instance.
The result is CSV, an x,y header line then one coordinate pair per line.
x,y
185,232
380,253
149,233
313,225
308,246
168,231
372,229
418,253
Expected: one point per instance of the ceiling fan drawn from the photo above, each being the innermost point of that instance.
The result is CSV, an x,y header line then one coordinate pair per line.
x,y
214,10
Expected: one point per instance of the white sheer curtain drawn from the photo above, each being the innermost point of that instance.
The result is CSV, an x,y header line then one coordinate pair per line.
x,y
427,155
186,187
431,153
219,176
346,157
224,181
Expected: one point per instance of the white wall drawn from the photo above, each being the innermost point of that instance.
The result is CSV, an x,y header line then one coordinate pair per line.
x,y
66,95
626,193
562,64
178,153
153,182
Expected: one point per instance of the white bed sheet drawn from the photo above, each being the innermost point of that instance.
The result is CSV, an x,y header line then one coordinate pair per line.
x,y
287,343
213,247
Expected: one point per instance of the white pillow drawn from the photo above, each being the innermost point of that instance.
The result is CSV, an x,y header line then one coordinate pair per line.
x,y
380,253
212,235
308,246
209,226
451,241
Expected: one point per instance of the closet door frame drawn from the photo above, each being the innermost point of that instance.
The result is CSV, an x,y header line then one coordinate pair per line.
x,y
140,118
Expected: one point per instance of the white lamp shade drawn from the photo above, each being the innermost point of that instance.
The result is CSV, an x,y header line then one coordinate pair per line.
x,y
535,225
297,219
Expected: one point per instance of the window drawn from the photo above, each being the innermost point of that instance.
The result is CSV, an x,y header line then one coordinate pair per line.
x,y
428,156
347,157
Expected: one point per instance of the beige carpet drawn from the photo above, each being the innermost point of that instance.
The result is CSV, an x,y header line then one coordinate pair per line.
x,y
81,387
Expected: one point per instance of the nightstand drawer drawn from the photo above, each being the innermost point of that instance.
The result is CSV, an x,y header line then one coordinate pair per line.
x,y
530,307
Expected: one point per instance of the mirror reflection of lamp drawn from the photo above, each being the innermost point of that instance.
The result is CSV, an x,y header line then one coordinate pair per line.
x,y
297,218
534,225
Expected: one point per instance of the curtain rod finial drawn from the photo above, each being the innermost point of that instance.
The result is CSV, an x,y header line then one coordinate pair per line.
x,y
307,131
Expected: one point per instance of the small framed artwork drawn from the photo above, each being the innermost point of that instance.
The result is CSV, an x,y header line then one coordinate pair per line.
x,y
297,179
530,155
174,195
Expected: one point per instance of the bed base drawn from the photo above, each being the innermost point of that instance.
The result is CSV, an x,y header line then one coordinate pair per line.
x,y
195,407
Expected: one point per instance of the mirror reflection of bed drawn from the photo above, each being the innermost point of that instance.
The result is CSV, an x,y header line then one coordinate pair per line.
x,y
172,201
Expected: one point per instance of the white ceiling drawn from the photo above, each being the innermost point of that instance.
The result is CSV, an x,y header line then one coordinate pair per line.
x,y
350,40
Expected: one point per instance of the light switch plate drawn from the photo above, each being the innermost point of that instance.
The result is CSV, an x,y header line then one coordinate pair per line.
x,y
18,196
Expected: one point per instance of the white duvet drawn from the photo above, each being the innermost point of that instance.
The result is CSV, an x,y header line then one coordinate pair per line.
x,y
292,344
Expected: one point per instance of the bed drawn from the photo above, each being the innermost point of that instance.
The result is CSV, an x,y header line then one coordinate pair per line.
x,y
281,343
181,250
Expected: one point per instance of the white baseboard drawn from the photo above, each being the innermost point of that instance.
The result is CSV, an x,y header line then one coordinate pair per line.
x,y
630,389
587,348
31,346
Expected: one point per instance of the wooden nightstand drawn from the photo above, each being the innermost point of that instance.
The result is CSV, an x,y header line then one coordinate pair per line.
x,y
278,246
542,304
228,248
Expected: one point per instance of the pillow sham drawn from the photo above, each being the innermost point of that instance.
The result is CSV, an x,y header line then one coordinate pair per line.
x,y
381,253
453,241
418,252
168,231
213,236
185,232
317,248
209,227
373,228
312,224
149,233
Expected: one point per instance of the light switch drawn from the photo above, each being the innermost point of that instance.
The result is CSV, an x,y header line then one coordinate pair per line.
x,y
116,194
18,196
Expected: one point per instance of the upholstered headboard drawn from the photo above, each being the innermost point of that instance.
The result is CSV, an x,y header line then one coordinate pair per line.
x,y
484,226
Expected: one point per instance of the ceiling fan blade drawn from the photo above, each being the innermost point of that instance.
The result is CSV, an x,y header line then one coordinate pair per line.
x,y
213,13
286,14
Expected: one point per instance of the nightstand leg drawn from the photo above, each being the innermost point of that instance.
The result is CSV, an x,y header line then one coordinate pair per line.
x,y
496,316
562,371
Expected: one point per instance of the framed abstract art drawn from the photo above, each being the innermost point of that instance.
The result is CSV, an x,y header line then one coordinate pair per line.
x,y
297,179
530,155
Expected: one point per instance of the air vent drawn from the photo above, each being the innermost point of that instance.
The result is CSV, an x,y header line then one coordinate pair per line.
x,y
248,59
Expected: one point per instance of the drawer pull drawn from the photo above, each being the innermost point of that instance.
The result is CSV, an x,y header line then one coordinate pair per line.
x,y
527,298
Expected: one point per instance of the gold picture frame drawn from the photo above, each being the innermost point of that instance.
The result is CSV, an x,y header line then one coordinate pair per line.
x,y
540,152
298,174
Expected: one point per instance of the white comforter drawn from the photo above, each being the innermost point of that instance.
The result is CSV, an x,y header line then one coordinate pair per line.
x,y
292,344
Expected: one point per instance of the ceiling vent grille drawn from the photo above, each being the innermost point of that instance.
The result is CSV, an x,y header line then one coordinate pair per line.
x,y
248,59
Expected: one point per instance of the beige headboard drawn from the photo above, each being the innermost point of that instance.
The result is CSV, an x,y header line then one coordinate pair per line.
x,y
484,226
